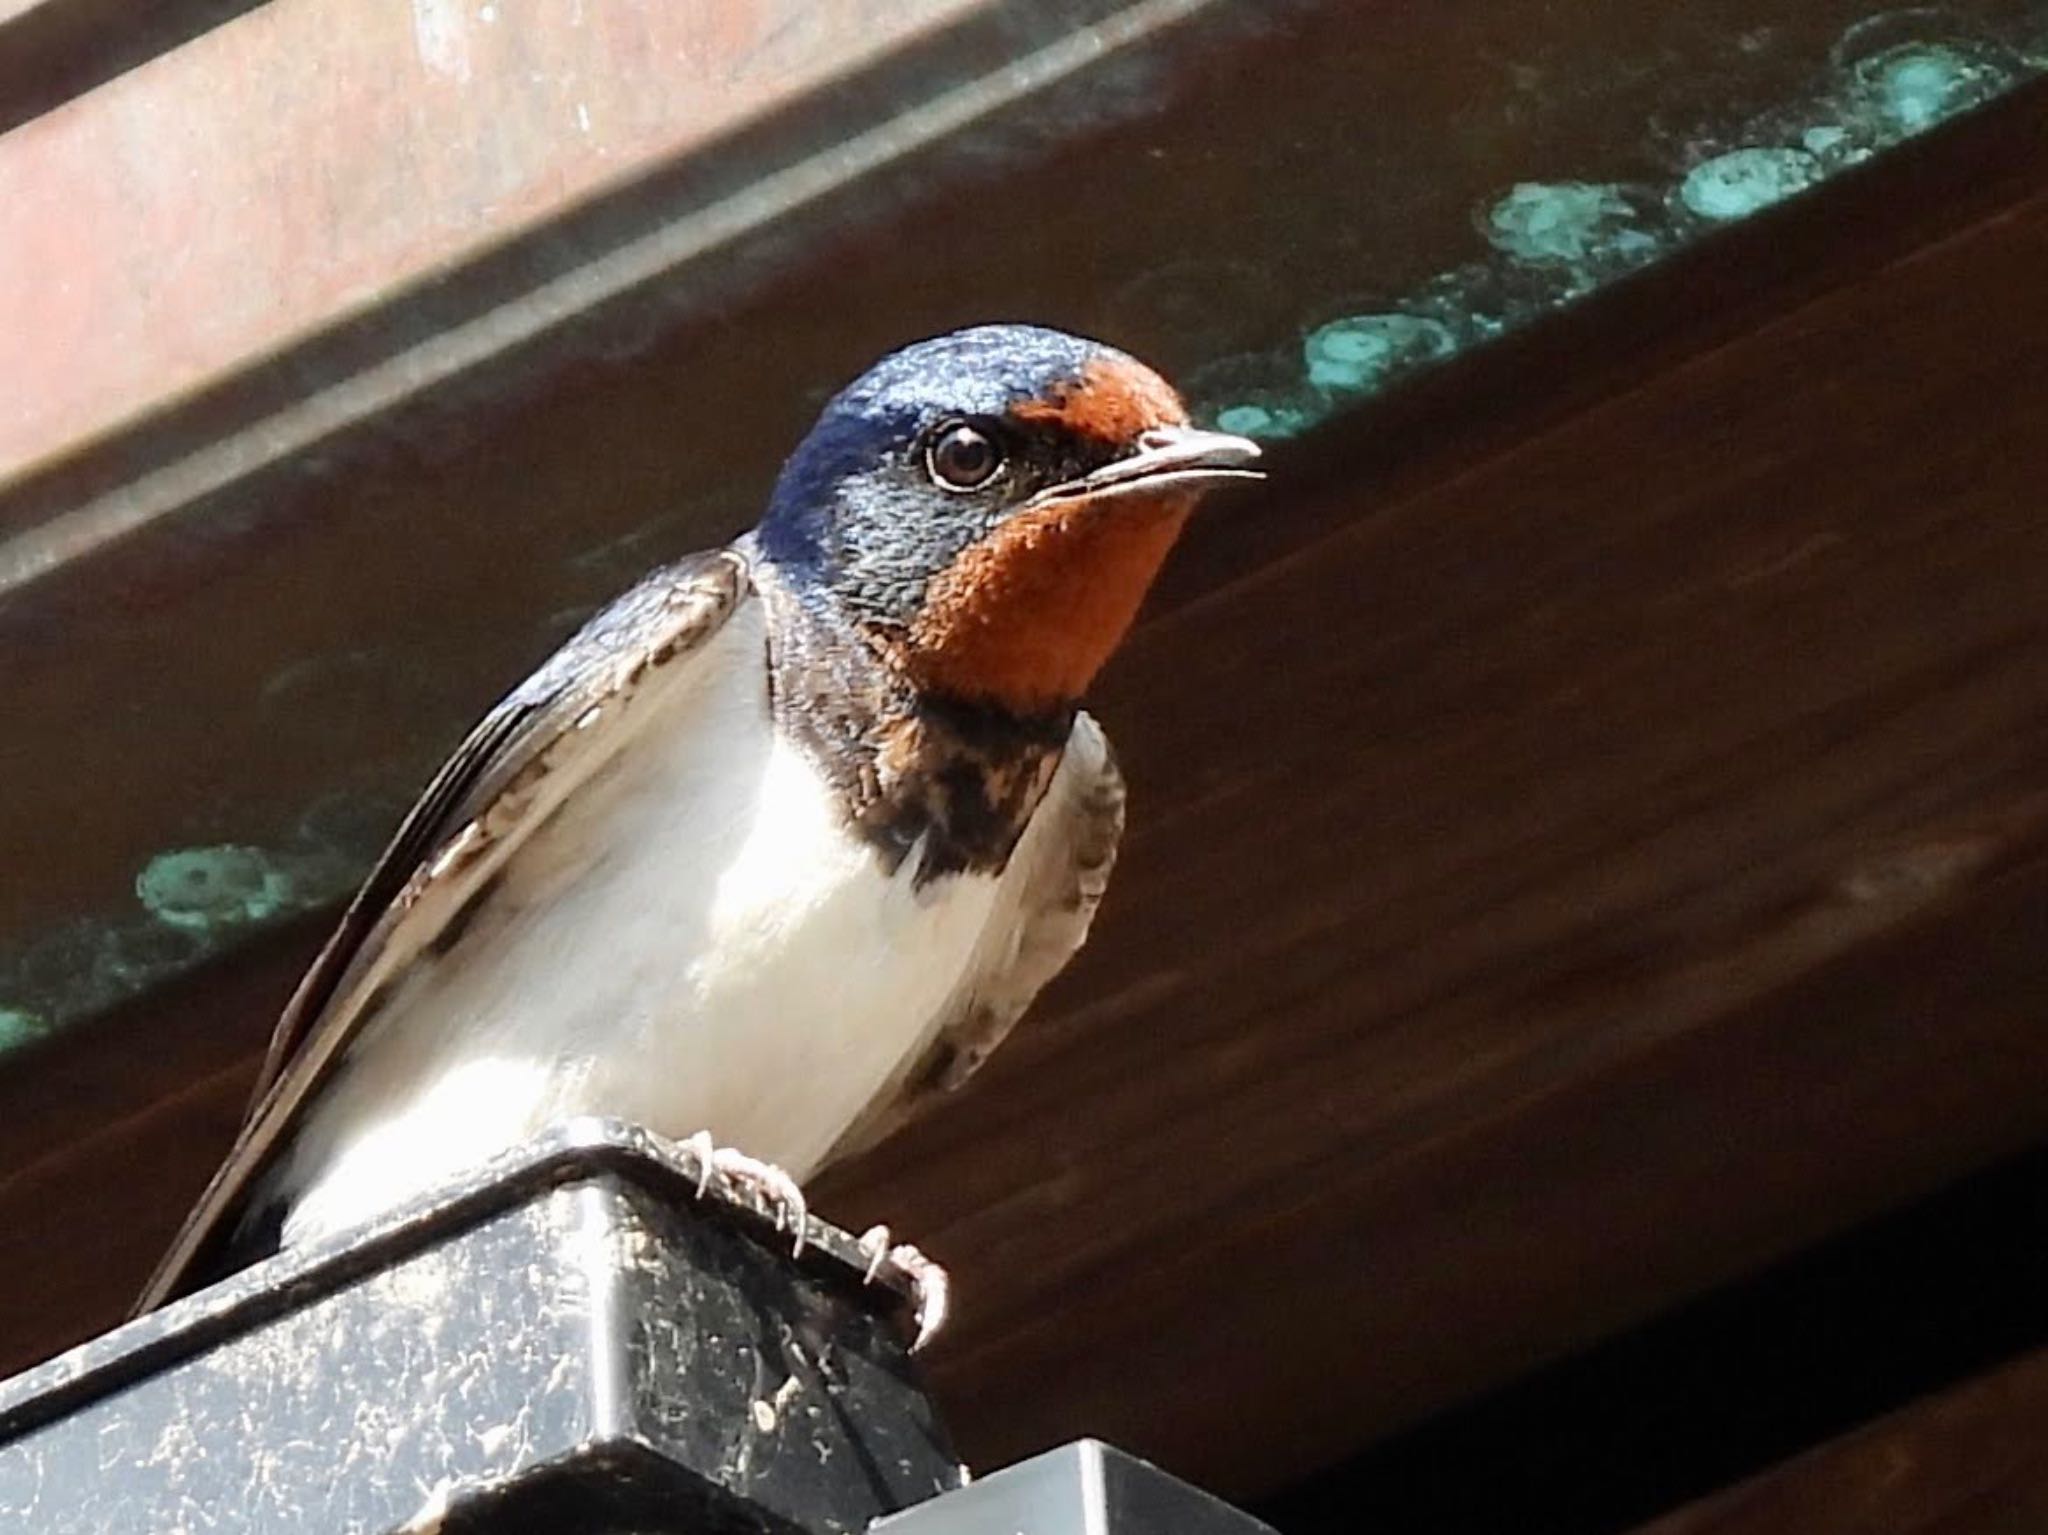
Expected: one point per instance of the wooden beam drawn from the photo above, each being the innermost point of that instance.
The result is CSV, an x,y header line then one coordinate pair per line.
x,y
1965,1462
1588,836
280,224
54,50
1567,885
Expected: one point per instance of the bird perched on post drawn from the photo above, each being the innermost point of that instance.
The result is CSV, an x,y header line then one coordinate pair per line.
x,y
778,845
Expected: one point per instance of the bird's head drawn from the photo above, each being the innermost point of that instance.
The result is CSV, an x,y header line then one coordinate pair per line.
x,y
988,508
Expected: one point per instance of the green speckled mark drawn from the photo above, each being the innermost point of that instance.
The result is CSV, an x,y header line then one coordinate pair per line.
x,y
1567,224
1267,420
1917,85
200,888
20,1026
1361,353
1256,395
194,902
1824,140
1553,242
1743,181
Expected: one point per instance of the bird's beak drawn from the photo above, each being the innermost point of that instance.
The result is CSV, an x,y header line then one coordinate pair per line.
x,y
1168,457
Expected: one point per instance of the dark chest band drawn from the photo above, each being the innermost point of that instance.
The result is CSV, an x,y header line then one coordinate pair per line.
x,y
950,783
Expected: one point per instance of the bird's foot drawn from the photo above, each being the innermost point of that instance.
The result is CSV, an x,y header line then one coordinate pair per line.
x,y
763,1183
930,1285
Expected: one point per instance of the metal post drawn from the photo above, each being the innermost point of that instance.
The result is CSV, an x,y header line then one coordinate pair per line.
x,y
571,1341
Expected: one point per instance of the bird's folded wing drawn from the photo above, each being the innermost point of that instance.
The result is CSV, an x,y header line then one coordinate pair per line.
x,y
531,749
1050,890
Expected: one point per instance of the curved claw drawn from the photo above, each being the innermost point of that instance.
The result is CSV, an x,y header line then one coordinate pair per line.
x,y
874,1242
930,1284
933,1287
707,1159
772,1186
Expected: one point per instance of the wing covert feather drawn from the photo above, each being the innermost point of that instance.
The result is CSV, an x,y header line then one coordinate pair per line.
x,y
469,817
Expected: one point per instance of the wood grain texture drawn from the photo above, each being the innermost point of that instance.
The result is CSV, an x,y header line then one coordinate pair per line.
x,y
108,1133
280,222
1569,884
1965,1462
1605,854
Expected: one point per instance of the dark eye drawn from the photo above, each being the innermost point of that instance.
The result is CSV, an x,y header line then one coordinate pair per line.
x,y
962,457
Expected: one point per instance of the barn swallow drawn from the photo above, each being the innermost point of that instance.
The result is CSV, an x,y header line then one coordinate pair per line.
x,y
781,843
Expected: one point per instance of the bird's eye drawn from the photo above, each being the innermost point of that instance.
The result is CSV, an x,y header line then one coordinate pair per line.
x,y
962,457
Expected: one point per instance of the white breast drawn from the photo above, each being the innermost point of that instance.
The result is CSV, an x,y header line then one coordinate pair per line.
x,y
693,941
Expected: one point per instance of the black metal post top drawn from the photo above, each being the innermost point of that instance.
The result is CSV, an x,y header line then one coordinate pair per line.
x,y
572,1339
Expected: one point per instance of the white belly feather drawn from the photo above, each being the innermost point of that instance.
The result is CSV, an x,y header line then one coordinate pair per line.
x,y
693,941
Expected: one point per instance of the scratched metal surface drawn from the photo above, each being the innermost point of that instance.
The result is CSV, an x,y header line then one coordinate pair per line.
x,y
563,1337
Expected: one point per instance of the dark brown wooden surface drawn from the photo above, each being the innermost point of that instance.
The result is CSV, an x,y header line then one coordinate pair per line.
x,y
1602,852
1968,1461
1654,880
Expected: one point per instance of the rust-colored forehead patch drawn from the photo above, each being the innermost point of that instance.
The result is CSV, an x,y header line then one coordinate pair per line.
x,y
1113,401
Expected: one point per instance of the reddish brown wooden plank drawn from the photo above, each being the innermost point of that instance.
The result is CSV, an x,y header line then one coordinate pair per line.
x,y
1965,1462
109,1131
1563,887
460,131
1614,859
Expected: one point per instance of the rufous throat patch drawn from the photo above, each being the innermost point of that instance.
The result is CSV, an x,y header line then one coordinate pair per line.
x,y
1027,617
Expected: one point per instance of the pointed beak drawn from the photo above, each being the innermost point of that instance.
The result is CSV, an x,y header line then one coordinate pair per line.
x,y
1168,458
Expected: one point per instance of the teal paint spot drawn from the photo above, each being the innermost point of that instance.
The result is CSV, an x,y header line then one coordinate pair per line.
x,y
86,966
198,902
1361,353
1268,420
1743,181
1909,70
19,1026
203,888
1916,85
127,956
1256,394
1567,224
1474,302
1824,140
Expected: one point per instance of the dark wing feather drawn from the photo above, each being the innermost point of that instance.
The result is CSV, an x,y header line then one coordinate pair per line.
x,y
470,813
1051,888
424,828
